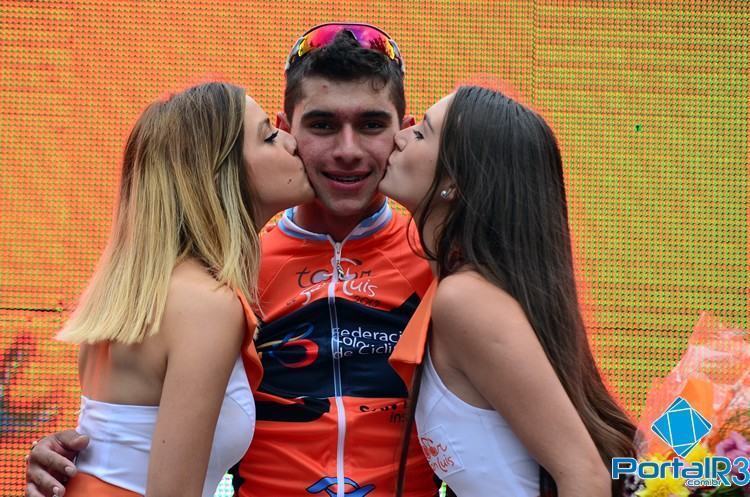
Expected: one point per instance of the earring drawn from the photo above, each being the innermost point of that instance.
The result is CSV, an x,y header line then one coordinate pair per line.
x,y
445,194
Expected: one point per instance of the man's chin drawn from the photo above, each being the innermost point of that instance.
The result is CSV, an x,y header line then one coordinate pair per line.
x,y
354,207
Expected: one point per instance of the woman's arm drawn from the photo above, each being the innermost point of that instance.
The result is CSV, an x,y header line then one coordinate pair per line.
x,y
492,343
203,327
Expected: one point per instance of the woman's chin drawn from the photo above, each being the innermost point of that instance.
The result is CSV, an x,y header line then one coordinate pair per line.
x,y
386,188
383,188
396,194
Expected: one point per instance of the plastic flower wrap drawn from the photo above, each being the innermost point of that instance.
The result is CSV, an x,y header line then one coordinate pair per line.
x,y
713,376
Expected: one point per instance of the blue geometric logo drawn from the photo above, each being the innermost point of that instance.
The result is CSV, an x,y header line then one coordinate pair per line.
x,y
326,485
681,426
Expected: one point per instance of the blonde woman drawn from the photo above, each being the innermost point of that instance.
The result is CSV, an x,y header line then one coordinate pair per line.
x,y
166,401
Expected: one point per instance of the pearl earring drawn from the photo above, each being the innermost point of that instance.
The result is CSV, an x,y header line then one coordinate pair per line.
x,y
445,194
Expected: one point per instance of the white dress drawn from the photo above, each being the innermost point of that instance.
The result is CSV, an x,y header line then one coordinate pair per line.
x,y
473,450
121,437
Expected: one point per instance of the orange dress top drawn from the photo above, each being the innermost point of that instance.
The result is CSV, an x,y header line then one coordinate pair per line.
x,y
409,351
250,357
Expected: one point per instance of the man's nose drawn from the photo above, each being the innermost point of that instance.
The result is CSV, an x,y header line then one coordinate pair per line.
x,y
348,147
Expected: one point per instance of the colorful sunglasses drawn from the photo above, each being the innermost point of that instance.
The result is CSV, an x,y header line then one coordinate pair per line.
x,y
368,36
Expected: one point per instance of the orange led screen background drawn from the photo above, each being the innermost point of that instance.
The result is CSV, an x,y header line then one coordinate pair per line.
x,y
649,101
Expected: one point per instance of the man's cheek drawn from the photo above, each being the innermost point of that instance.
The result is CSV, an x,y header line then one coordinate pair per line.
x,y
382,149
308,146
310,159
379,155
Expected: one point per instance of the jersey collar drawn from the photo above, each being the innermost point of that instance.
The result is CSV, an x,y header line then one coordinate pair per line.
x,y
365,228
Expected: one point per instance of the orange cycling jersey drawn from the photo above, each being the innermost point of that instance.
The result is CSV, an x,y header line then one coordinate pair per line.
x,y
330,409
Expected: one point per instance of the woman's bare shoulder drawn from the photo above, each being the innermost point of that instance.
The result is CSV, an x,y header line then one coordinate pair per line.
x,y
467,297
196,298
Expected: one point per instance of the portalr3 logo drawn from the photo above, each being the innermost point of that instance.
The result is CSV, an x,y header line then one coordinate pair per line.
x,y
682,427
327,483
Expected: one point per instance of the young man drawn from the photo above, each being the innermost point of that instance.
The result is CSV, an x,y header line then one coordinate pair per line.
x,y
338,284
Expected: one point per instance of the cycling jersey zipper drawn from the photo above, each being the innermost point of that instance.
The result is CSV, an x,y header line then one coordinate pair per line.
x,y
336,276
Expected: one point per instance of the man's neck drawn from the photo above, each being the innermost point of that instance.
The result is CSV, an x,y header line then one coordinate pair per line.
x,y
314,217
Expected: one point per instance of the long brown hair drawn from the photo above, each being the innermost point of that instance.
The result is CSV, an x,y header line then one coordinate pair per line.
x,y
509,222
184,193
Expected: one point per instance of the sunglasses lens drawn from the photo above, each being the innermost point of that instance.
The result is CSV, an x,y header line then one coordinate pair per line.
x,y
367,36
321,37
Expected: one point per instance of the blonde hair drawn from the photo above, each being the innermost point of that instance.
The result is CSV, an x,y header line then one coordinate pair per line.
x,y
184,193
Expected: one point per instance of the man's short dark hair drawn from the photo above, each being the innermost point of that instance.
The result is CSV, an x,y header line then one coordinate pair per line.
x,y
345,60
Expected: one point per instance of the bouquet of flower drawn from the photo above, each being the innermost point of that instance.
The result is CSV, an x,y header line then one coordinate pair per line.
x,y
698,417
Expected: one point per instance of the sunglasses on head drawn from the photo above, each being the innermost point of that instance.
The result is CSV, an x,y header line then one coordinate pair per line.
x,y
368,36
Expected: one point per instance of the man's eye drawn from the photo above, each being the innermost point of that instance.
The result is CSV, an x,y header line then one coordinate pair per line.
x,y
374,125
272,137
321,125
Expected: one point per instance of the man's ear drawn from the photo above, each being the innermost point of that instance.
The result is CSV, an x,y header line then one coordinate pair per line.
x,y
282,122
408,121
